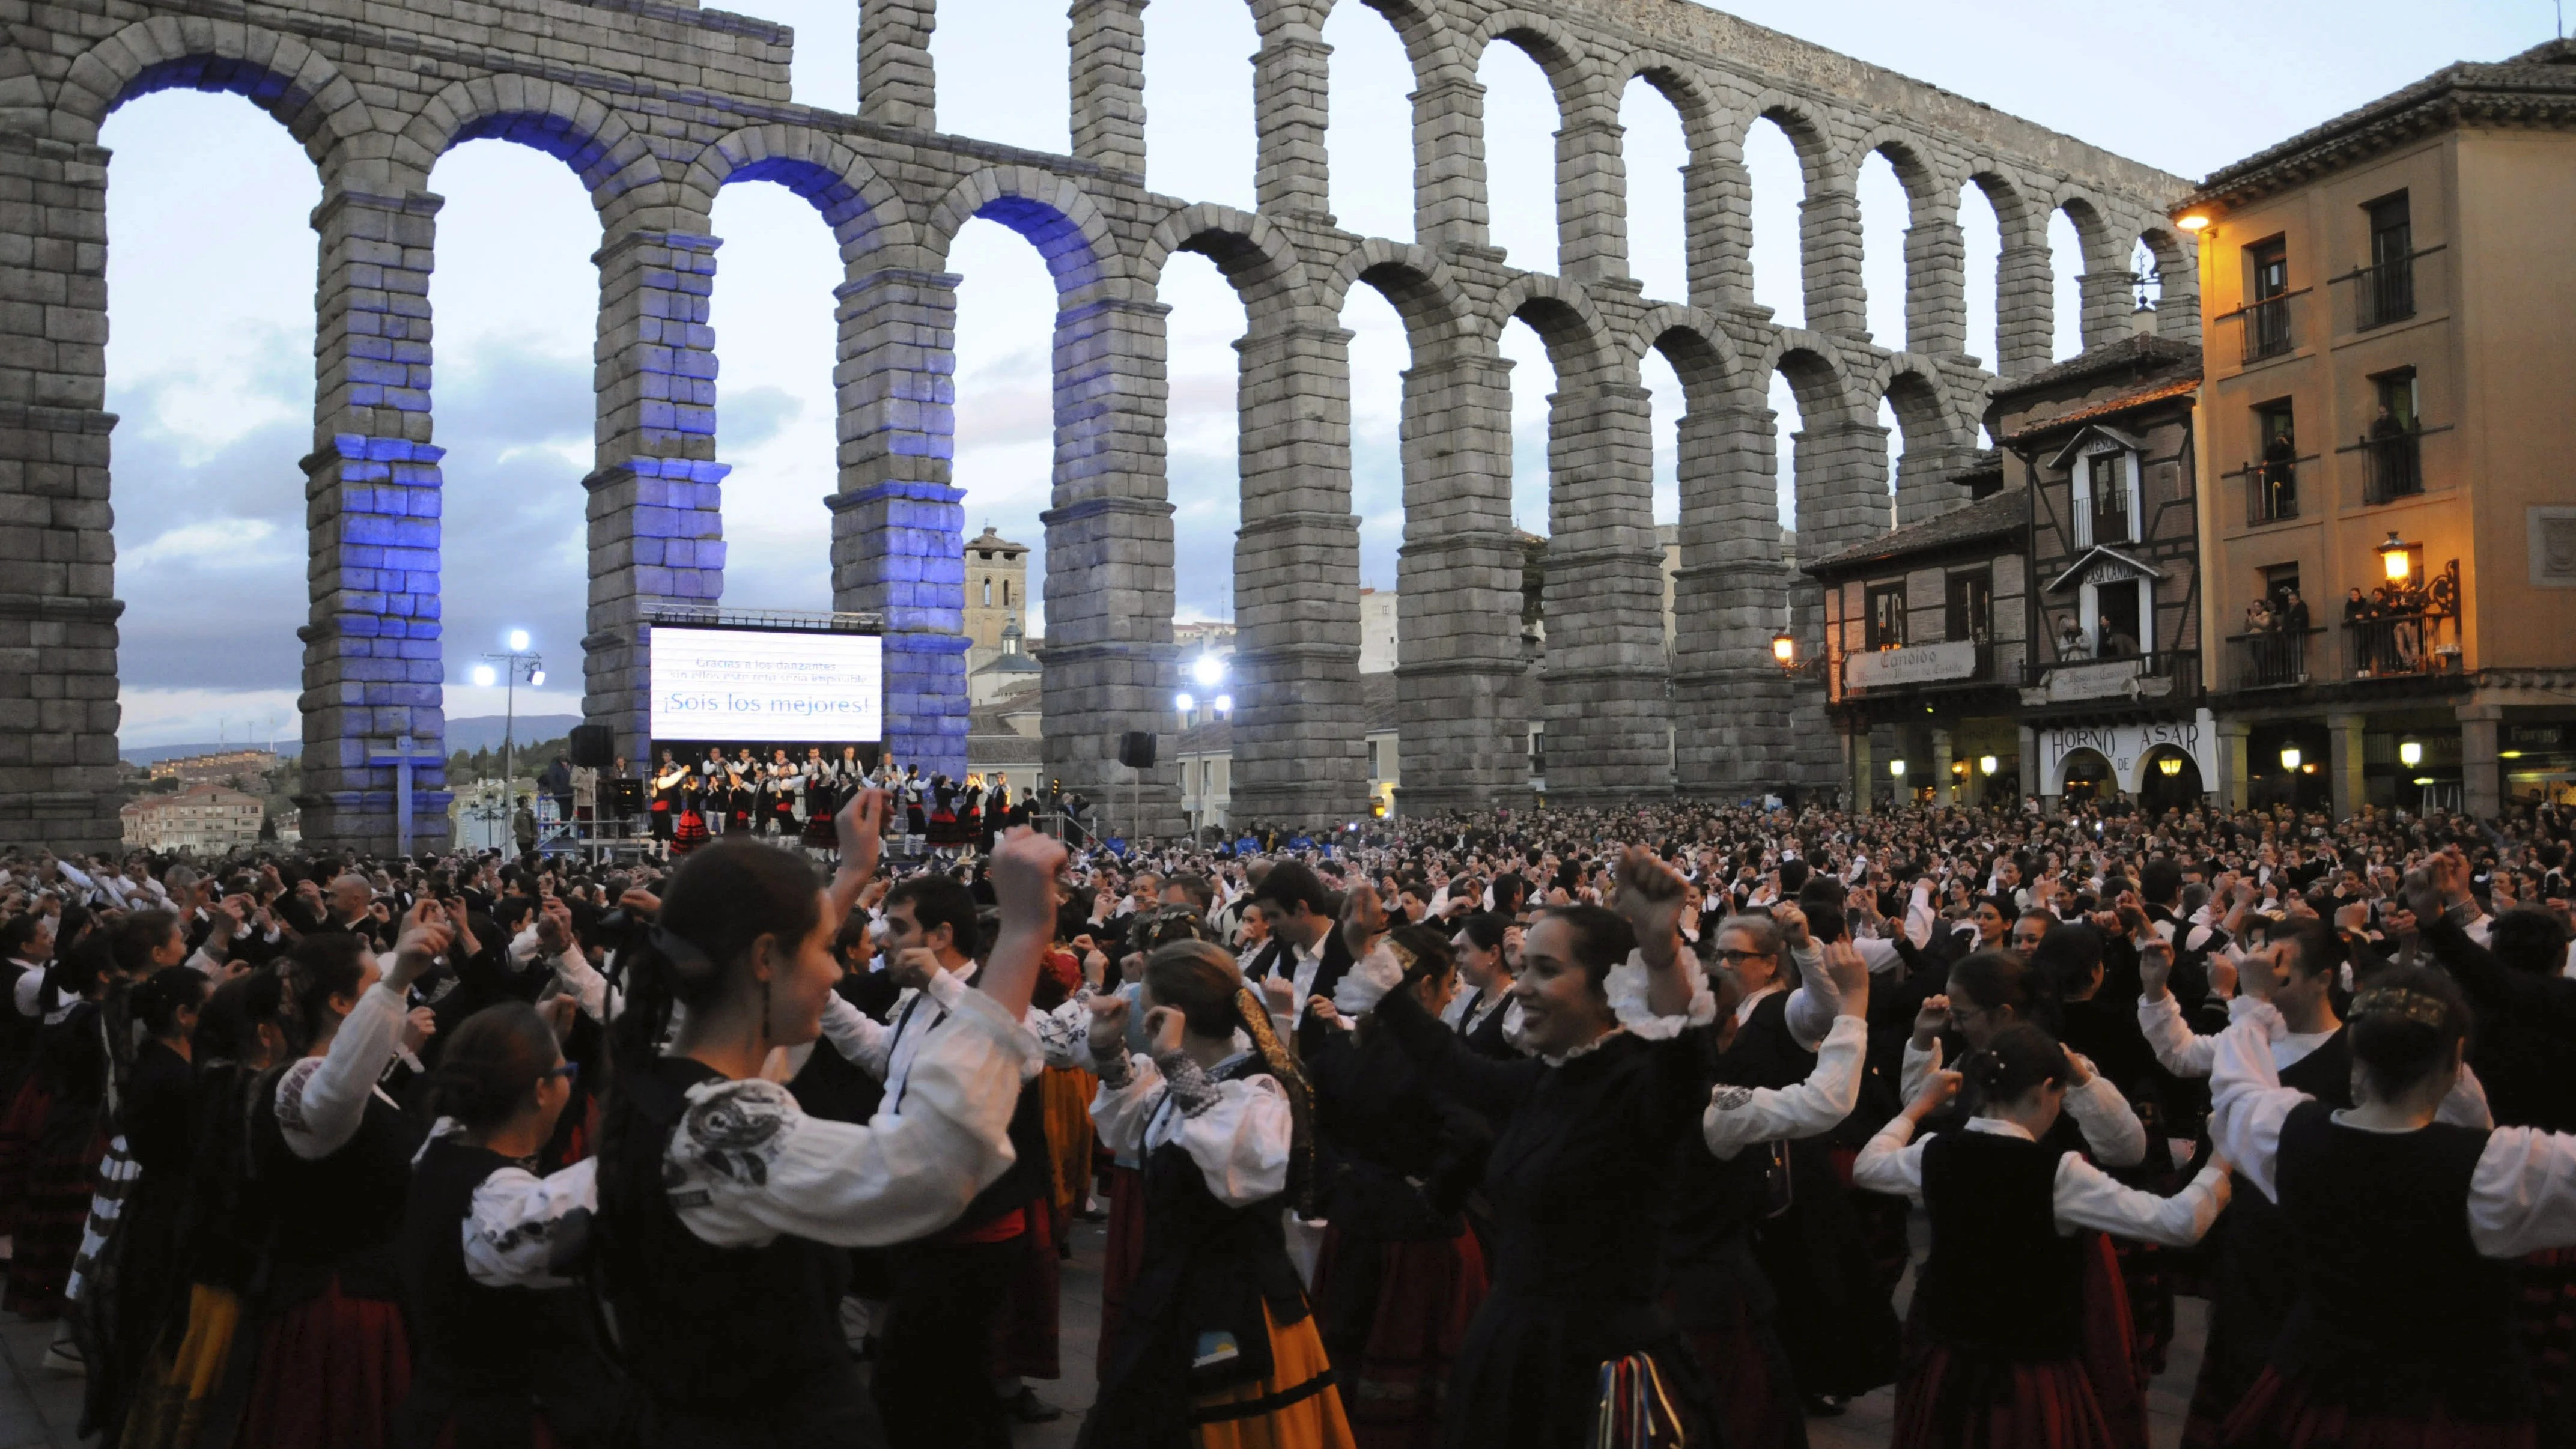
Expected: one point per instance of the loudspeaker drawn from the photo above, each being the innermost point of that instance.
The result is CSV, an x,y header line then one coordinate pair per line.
x,y
594,746
625,799
1136,749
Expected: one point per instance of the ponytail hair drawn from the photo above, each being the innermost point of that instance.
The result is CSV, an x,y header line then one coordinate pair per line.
x,y
1996,979
2405,1026
2020,1057
317,969
491,1065
229,1022
723,898
1199,980
156,1003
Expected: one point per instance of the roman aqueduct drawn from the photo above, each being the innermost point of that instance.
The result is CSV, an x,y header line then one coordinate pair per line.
x,y
656,106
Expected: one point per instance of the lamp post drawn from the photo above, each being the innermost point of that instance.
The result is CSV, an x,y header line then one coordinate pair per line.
x,y
517,661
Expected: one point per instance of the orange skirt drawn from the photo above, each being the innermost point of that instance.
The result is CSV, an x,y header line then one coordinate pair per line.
x,y
1295,1407
1067,1093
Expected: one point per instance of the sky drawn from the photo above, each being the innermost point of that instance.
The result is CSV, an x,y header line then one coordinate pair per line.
x,y
211,265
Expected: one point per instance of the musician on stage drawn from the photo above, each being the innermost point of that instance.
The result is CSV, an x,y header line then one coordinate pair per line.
x,y
672,787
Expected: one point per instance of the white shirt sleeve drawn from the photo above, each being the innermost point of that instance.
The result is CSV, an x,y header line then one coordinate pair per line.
x,y
30,990
1241,1140
1919,917
2184,1052
1063,1036
747,1164
1880,956
862,1041
1630,987
1891,1162
1739,1116
512,1223
321,1100
2111,1126
1915,1072
582,982
1817,1003
1122,1110
2086,1197
2248,1104
2522,1197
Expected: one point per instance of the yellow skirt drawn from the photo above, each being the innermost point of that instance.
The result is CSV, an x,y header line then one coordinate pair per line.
x,y
1296,1407
170,1408
1067,1092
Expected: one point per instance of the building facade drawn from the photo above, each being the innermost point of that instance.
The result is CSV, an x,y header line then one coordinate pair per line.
x,y
206,819
2111,698
2387,470
1926,638
997,595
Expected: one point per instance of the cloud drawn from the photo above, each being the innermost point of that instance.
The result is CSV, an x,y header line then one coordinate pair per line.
x,y
216,543
751,416
187,716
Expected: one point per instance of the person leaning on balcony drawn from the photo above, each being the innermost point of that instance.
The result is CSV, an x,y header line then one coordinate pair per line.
x,y
2258,616
2294,613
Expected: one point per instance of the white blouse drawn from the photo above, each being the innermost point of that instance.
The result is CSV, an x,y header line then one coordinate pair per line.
x,y
2111,1127
746,1164
2083,1196
2186,1053
1738,1117
1238,1132
2522,1196
322,1100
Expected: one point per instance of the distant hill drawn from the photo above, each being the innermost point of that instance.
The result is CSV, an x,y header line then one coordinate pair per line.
x,y
483,732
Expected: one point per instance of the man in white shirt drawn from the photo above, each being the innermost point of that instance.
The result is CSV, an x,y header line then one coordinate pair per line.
x,y
1302,919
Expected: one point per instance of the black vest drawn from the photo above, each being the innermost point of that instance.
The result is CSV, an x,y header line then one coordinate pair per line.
x,y
705,1329
485,1358
2000,1277
337,1216
2397,1309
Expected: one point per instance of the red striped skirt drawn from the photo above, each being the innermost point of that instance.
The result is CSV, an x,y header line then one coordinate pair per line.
x,y
2109,1346
1947,1400
331,1372
1025,1330
60,1182
1125,1255
1754,1389
2282,1413
1428,1290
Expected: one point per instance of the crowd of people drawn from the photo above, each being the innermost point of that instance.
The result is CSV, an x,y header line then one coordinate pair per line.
x,y
1673,1125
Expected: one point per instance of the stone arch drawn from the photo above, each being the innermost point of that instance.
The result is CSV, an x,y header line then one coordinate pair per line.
x,y
1056,216
1925,406
1254,256
1581,347
280,74
1555,49
2178,273
1703,117
1927,187
1816,373
866,213
2102,268
569,124
1822,163
1701,353
1428,39
1414,281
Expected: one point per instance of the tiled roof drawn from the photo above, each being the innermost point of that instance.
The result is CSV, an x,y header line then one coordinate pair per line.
x,y
2535,88
2117,403
2004,515
2145,350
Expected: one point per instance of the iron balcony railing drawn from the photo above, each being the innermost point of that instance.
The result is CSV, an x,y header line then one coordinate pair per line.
x,y
2269,658
2392,466
2267,328
2384,292
2272,489
2401,646
2107,522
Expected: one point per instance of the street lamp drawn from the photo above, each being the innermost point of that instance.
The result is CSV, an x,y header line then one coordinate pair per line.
x,y
1986,764
2289,757
519,663
1184,702
2170,764
1208,670
2393,559
1896,768
2410,753
1224,704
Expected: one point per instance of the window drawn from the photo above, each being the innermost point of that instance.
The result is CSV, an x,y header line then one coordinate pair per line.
x,y
1886,617
2387,290
2121,610
2109,479
2272,480
1377,766
988,593
2392,453
1970,607
2267,310
1006,593
1538,753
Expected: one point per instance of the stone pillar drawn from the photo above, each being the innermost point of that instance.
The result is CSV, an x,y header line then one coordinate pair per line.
x,y
1936,288
373,664
1300,726
2481,772
2235,782
2025,306
1842,503
1945,785
1717,211
1461,719
2110,300
2344,761
1731,700
1591,204
1109,656
1290,90
898,521
58,610
1864,771
656,494
1109,83
896,84
2178,296
1829,240
1923,486
1449,199
1605,707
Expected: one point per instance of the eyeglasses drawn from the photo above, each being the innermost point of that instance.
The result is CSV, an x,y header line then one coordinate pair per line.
x,y
570,1071
1731,957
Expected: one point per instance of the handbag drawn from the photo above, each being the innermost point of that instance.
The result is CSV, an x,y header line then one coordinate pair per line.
x,y
1636,1412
